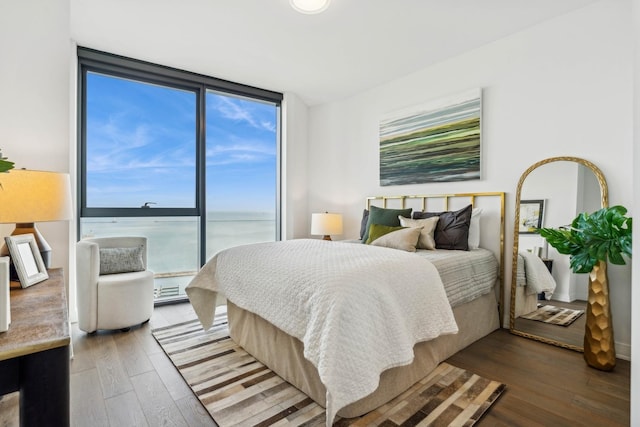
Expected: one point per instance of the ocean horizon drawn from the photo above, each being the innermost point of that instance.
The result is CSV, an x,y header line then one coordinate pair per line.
x,y
172,251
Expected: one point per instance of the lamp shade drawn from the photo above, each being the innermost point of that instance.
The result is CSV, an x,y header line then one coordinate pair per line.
x,y
28,196
326,224
310,6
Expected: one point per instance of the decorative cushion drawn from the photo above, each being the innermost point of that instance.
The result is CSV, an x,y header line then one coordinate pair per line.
x,y
378,230
384,216
428,225
121,260
452,231
404,239
363,223
474,229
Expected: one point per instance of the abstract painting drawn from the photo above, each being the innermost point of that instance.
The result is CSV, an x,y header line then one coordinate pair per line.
x,y
436,142
530,216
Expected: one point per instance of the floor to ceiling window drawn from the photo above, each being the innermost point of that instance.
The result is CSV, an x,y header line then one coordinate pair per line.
x,y
189,161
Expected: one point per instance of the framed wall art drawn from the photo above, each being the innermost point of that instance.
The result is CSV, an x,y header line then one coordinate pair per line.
x,y
26,259
5,296
530,216
436,142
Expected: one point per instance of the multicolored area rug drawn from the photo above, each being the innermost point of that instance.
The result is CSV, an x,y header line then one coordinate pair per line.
x,y
237,390
554,315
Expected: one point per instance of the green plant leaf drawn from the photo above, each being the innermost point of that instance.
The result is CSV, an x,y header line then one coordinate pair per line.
x,y
605,235
5,165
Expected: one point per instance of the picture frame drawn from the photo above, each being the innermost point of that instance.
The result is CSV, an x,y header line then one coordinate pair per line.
x,y
26,259
531,212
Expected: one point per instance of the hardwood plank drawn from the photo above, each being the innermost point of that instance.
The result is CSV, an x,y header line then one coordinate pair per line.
x,y
87,404
125,410
10,410
170,376
113,377
158,406
194,413
82,357
132,355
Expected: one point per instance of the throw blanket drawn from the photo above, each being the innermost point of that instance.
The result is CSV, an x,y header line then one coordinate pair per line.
x,y
538,279
358,309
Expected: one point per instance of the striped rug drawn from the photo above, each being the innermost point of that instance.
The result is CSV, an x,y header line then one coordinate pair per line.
x,y
237,390
554,315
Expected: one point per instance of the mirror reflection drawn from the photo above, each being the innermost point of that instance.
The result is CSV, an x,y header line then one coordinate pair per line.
x,y
548,299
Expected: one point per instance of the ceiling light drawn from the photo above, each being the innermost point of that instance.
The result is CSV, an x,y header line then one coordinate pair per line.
x,y
310,6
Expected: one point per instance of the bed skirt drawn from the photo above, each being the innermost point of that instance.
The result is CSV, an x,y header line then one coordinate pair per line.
x,y
283,353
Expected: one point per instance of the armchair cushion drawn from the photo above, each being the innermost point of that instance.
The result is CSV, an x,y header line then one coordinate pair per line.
x,y
121,260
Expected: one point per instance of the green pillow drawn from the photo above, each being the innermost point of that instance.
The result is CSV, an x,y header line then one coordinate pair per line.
x,y
384,216
378,230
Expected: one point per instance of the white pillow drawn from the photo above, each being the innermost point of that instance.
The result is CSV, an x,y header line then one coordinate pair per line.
x,y
474,229
404,239
426,240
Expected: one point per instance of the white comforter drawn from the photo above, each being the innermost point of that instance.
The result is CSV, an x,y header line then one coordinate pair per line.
x,y
358,309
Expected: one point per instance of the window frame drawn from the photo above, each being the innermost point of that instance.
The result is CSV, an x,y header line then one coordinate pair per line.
x,y
91,60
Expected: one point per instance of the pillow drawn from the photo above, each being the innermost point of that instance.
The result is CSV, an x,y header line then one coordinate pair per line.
x,y
404,239
363,223
452,231
378,230
385,217
474,229
426,240
121,260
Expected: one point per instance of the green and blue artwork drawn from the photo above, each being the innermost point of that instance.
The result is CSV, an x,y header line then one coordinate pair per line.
x,y
438,142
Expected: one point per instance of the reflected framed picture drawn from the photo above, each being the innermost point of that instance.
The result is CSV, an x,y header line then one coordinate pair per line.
x,y
530,216
26,259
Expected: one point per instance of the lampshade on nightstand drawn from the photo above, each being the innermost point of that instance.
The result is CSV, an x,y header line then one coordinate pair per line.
x,y
325,224
28,196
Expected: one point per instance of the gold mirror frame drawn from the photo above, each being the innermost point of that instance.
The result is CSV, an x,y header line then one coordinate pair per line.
x,y
604,201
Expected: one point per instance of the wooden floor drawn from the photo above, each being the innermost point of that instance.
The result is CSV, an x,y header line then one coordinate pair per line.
x,y
572,334
124,379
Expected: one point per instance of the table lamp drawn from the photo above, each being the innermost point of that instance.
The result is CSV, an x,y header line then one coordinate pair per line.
x,y
325,224
27,197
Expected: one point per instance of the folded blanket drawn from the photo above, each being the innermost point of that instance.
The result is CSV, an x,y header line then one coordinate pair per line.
x,y
358,309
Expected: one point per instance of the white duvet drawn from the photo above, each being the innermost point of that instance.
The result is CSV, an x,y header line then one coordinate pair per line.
x,y
358,309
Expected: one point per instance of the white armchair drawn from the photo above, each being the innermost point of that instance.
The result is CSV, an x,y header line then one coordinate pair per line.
x,y
115,291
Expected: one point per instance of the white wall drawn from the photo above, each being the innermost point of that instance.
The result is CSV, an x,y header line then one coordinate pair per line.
x,y
34,98
563,87
635,300
294,176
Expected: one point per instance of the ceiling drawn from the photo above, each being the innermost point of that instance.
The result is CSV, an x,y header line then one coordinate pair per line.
x,y
353,46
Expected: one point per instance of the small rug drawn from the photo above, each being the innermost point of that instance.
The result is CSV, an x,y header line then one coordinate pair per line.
x,y
554,315
237,390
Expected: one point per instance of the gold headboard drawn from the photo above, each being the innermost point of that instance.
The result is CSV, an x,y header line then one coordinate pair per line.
x,y
443,202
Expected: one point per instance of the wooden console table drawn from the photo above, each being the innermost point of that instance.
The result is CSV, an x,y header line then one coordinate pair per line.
x,y
34,352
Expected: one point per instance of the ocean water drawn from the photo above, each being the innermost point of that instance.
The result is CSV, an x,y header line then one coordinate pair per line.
x,y
173,241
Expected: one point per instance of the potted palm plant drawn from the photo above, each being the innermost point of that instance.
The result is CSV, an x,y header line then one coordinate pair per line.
x,y
591,241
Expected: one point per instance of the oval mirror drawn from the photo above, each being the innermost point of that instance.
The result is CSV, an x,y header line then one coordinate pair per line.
x,y
547,299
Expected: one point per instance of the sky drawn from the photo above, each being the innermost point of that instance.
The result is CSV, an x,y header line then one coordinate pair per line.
x,y
141,147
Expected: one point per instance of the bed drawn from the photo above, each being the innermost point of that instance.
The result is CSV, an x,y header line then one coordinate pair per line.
x,y
316,348
532,278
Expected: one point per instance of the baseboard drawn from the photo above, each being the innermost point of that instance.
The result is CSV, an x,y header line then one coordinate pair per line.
x,y
623,351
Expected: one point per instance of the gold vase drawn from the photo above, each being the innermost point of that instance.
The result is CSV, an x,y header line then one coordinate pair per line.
x,y
599,345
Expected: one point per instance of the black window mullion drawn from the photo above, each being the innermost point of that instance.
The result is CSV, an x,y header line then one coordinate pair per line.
x,y
201,170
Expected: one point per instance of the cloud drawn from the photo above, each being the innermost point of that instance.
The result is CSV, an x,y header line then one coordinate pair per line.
x,y
240,110
240,152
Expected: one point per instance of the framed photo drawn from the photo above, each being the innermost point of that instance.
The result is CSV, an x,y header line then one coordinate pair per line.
x,y
26,259
530,216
